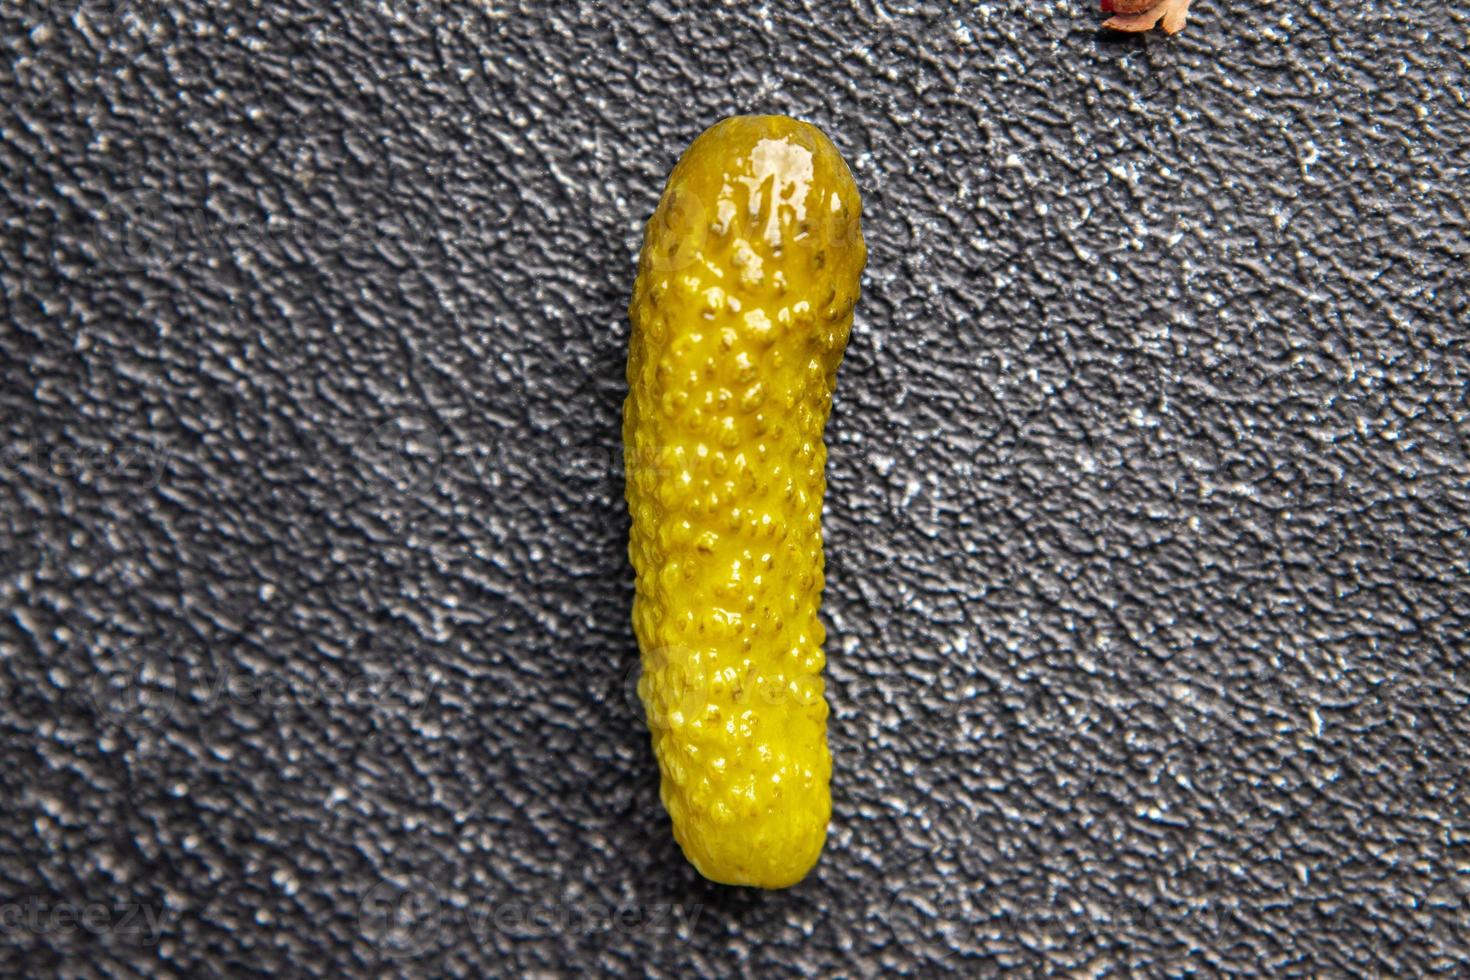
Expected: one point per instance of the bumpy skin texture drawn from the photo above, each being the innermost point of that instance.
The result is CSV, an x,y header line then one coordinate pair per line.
x,y
741,311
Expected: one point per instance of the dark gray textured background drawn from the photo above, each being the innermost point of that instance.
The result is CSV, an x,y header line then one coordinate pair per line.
x,y
1147,549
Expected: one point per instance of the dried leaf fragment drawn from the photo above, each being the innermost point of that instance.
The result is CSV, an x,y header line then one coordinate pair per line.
x,y
1142,15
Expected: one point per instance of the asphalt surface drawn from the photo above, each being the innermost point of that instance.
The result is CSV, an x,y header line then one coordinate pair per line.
x,y
1146,527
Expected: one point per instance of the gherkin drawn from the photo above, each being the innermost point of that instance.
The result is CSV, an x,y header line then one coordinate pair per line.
x,y
741,311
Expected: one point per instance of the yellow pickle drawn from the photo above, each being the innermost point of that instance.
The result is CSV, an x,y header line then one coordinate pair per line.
x,y
743,303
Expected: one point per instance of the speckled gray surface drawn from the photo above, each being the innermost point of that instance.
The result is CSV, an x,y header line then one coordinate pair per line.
x,y
1146,529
